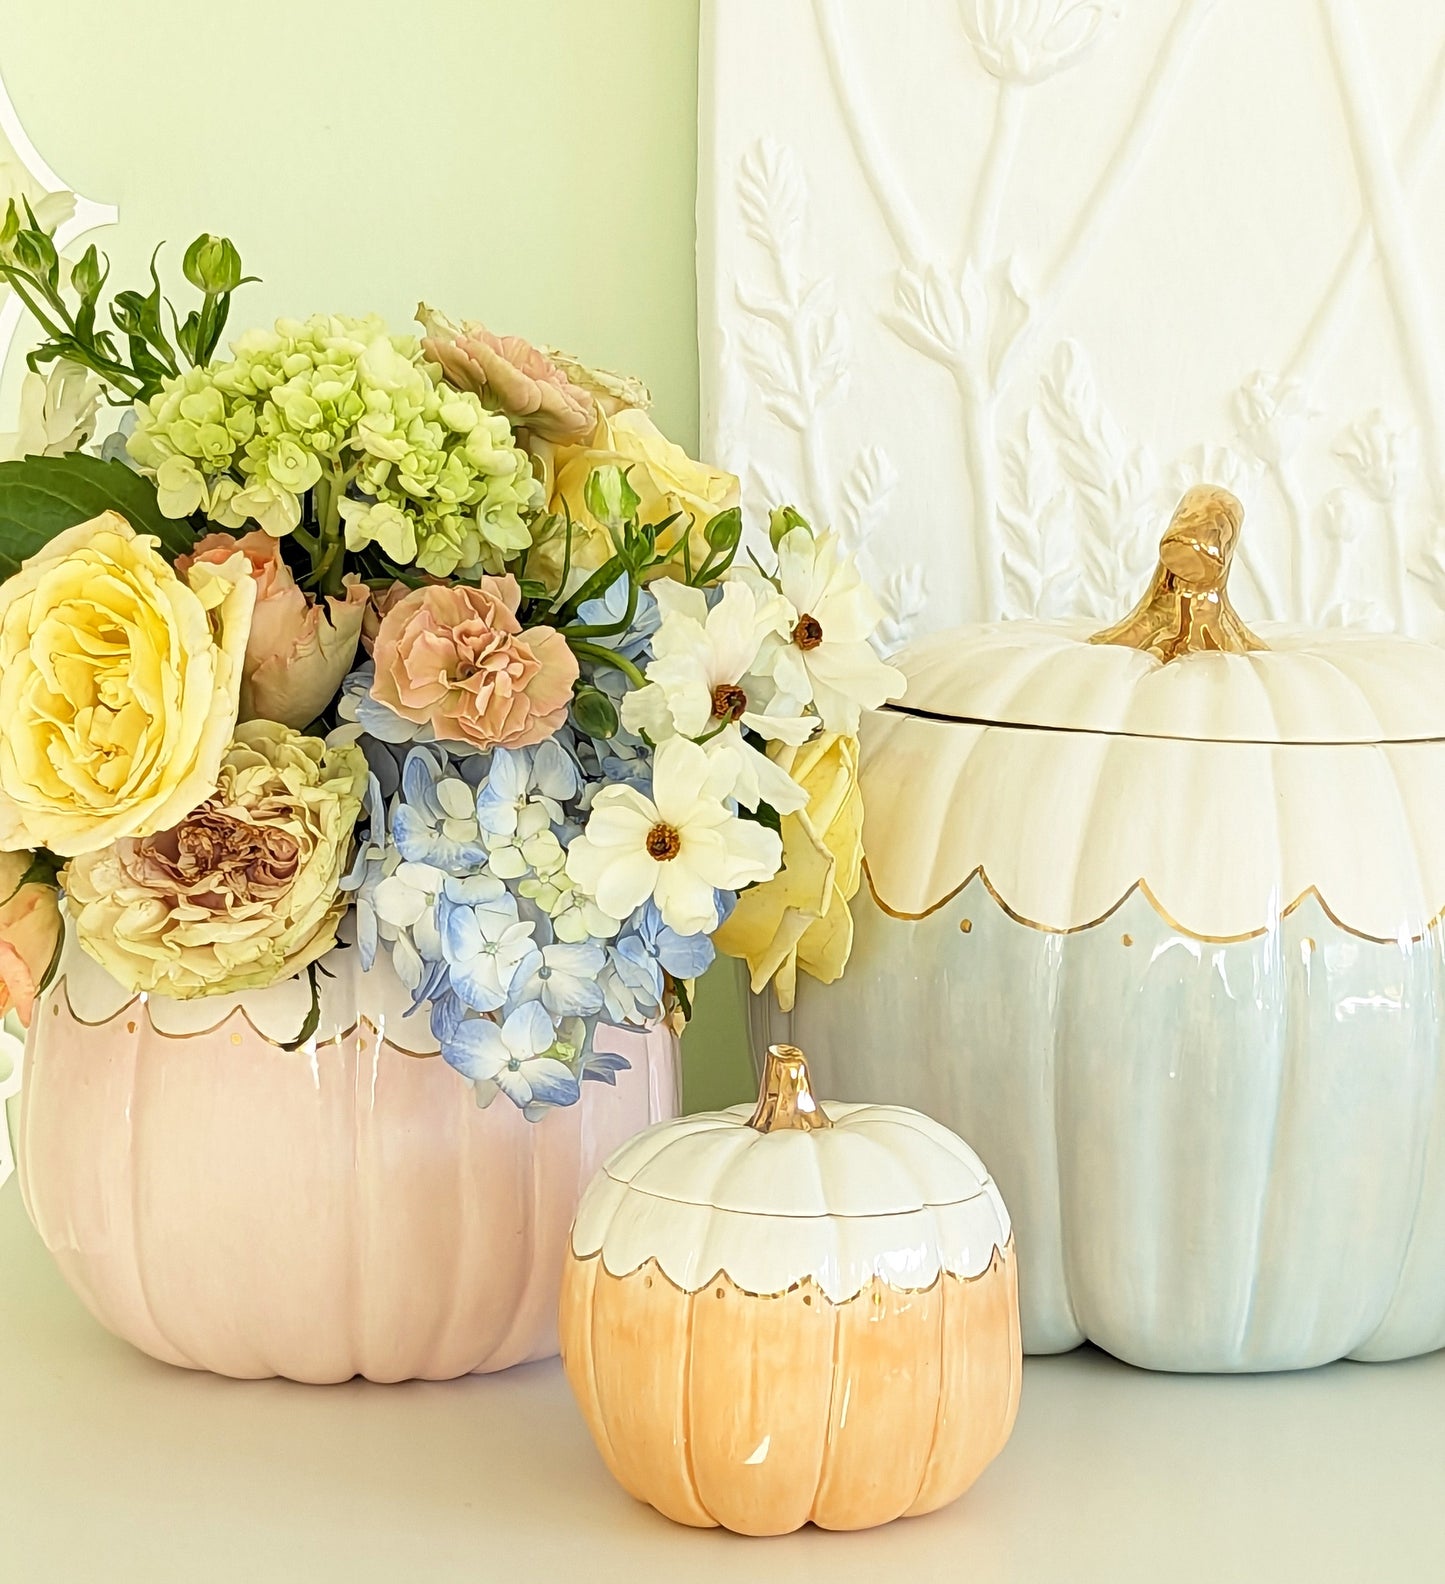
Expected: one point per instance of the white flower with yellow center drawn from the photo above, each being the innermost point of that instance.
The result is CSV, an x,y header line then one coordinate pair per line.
x,y
704,683
825,658
680,846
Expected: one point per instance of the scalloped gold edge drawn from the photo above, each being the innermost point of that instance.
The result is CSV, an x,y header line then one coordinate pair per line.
x,y
1143,888
61,988
1002,1254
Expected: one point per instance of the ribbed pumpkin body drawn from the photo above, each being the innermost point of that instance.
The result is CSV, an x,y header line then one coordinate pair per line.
x,y
768,1328
1218,1156
1164,941
763,1413
345,1209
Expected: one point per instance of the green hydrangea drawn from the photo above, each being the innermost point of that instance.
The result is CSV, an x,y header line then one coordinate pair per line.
x,y
402,459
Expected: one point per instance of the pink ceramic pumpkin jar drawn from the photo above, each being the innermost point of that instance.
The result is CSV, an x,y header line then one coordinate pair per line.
x,y
342,1209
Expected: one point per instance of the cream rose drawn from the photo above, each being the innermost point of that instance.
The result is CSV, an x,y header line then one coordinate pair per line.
x,y
800,918
245,891
119,686
665,477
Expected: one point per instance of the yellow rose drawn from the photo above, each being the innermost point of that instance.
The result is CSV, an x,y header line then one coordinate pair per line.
x,y
800,918
119,684
245,891
663,474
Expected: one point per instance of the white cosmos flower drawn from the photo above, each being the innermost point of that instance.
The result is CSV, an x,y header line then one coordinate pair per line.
x,y
678,846
704,683
756,778
704,672
826,658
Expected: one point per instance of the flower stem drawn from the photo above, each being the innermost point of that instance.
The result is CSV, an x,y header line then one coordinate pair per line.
x,y
609,629
602,655
328,561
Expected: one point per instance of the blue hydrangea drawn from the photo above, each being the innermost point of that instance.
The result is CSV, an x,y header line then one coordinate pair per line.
x,y
460,879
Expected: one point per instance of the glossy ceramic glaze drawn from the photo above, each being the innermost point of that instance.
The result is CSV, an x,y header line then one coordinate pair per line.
x,y
1153,913
345,1209
1218,1155
761,1413
813,1323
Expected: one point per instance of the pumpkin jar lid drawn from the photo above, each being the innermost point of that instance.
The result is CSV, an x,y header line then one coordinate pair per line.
x,y
1183,665
789,1191
1229,775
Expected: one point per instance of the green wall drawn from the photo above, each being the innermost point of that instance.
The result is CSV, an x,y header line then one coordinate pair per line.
x,y
528,162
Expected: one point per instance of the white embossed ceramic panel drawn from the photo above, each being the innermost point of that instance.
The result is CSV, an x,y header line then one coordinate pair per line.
x,y
987,282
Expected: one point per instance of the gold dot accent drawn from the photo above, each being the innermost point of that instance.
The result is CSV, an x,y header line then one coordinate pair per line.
x,y
361,1046
807,1298
130,1027
55,1009
721,1293
965,925
236,1039
1128,940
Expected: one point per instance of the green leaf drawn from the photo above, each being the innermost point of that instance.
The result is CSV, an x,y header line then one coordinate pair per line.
x,y
763,814
313,1017
43,496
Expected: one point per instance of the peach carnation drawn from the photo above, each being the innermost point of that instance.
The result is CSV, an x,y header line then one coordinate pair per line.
x,y
455,658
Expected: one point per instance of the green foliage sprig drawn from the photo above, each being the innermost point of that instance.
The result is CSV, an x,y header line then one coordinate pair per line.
x,y
636,557
68,312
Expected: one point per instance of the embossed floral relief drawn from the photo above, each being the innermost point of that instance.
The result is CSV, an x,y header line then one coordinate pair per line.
x,y
794,345
1056,490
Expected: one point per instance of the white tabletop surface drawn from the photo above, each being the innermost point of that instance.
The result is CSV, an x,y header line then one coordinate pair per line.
x,y
117,1468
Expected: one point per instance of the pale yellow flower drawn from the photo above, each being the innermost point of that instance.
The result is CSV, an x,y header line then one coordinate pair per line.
x,y
119,686
800,918
57,412
242,893
665,477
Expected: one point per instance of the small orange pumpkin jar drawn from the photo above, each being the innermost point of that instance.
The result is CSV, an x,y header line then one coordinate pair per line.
x,y
794,1315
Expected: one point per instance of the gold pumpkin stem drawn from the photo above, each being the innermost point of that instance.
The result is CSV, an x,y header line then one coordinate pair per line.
x,y
786,1099
1186,608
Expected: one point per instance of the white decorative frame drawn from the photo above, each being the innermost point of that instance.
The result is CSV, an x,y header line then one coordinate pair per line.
x,y
986,283
23,170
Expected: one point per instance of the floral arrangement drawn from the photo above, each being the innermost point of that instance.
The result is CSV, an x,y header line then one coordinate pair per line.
x,y
433,647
